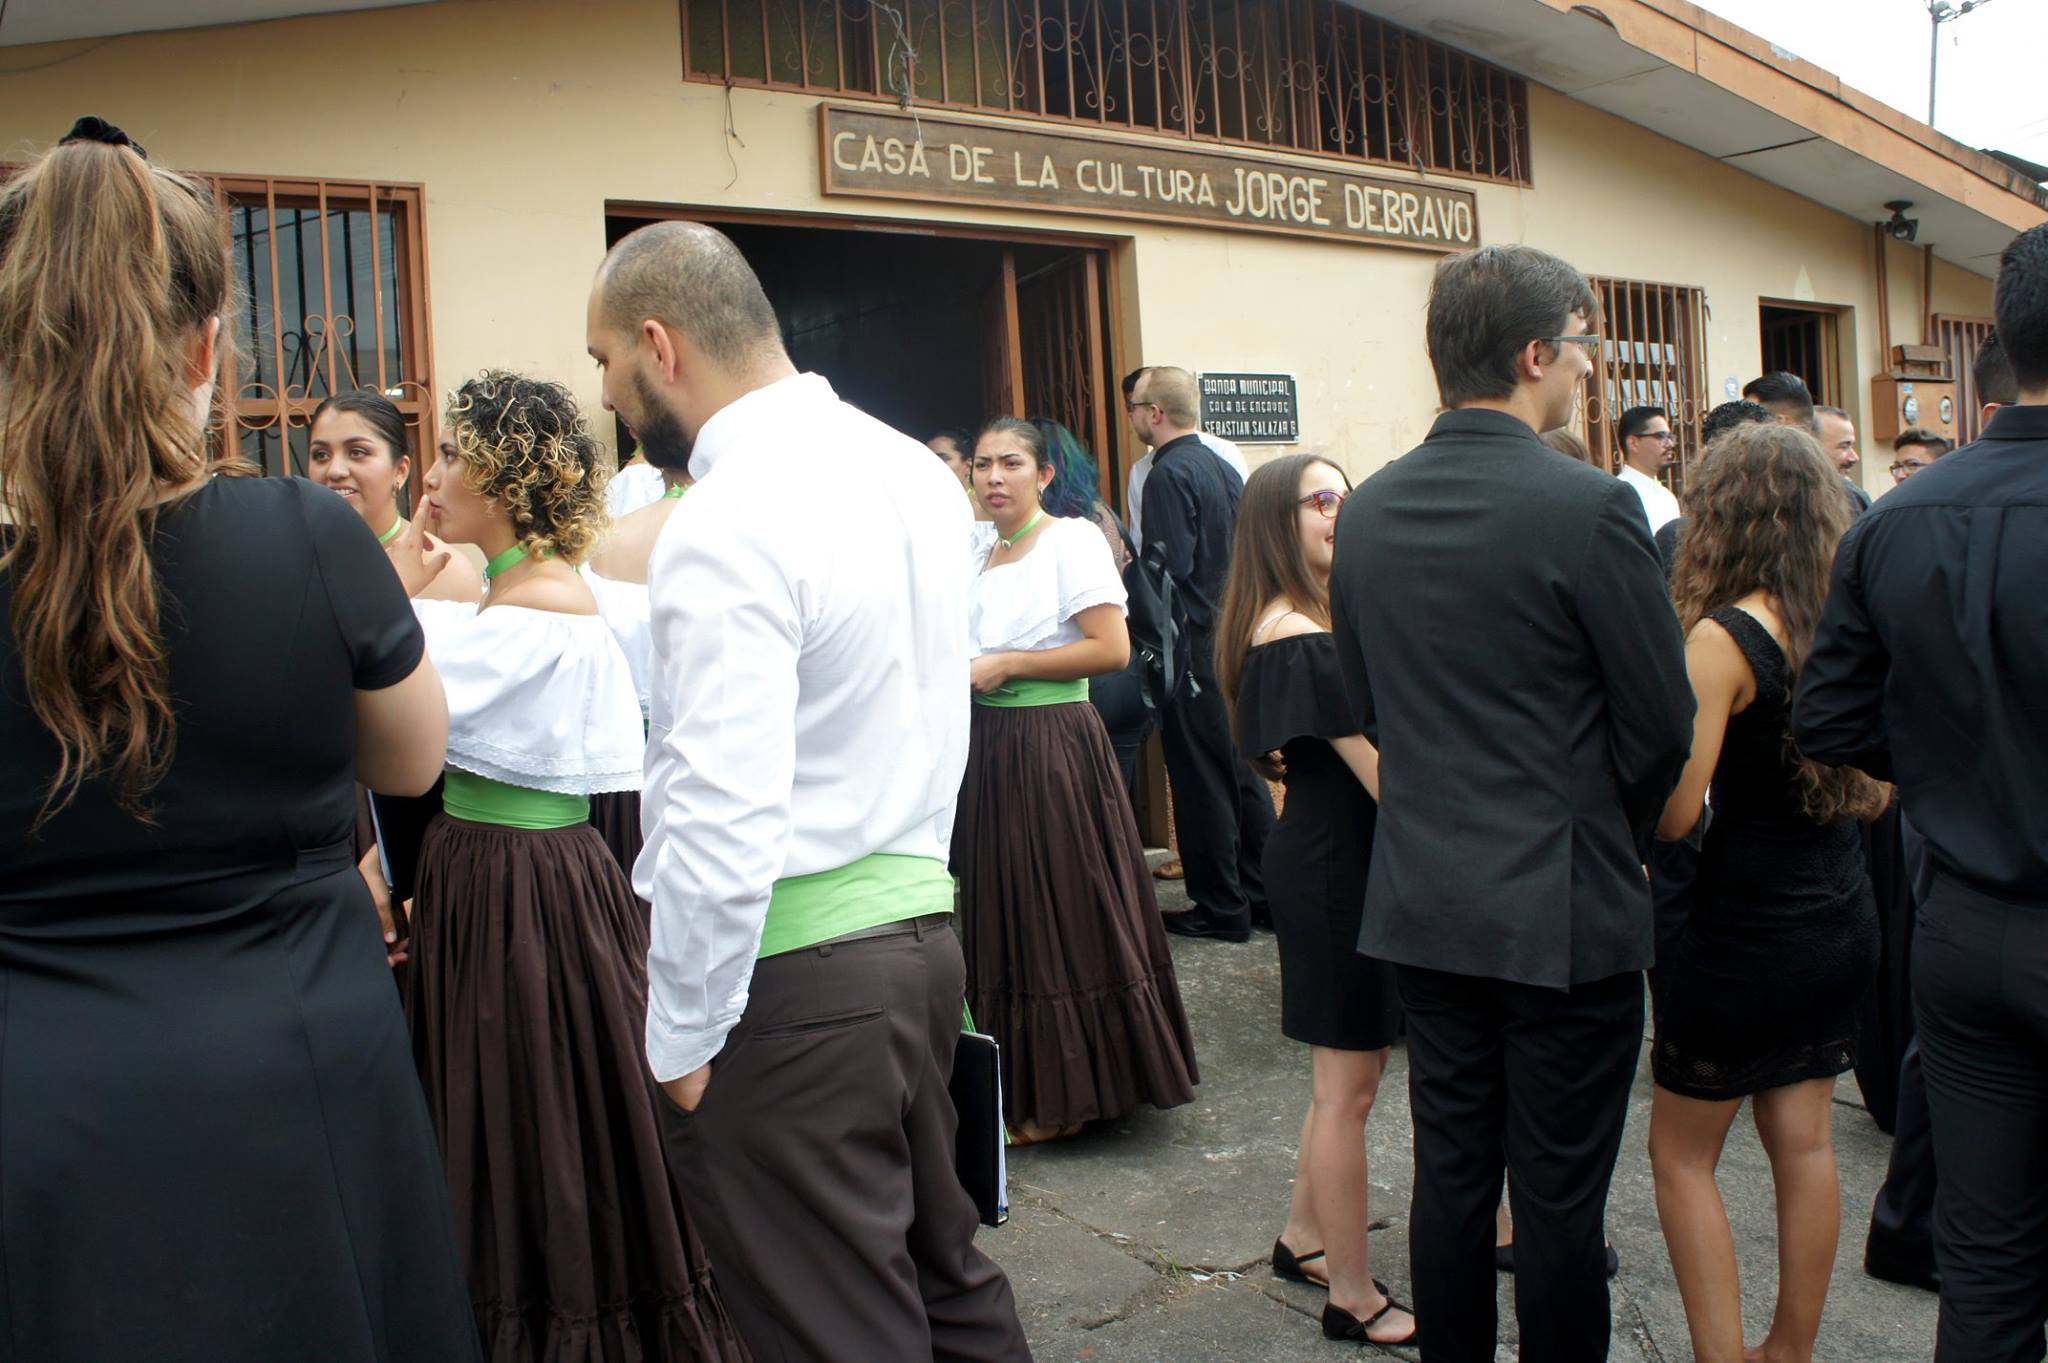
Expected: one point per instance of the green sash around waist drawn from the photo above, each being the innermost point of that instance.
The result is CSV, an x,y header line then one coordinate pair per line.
x,y
1021,691
479,799
883,887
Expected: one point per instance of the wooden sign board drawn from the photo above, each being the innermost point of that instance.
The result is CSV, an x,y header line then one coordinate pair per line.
x,y
1251,409
875,153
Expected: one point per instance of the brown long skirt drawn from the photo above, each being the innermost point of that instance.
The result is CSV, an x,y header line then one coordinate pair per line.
x,y
616,817
527,1004
1067,962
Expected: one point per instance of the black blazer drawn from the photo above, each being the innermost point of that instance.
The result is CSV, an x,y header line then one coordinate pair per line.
x,y
1508,637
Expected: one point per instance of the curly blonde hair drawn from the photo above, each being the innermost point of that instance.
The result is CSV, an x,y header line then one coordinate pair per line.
x,y
523,444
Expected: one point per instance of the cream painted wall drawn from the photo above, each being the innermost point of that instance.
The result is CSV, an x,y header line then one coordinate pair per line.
x,y
523,117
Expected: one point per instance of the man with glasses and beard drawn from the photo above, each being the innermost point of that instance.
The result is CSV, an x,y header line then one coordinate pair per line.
x,y
807,736
1508,638
1648,447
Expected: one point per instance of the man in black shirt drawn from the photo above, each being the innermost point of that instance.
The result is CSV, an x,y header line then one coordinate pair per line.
x,y
1930,668
1221,811
1508,638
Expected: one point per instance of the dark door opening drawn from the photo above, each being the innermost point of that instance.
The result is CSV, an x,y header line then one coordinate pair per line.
x,y
928,332
1800,339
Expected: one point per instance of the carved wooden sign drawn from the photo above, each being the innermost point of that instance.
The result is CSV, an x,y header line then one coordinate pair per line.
x,y
874,153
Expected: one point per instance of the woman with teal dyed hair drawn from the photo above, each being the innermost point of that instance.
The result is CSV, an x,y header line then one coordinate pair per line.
x,y
1076,487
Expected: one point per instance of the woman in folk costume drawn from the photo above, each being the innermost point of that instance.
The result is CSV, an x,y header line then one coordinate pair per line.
x,y
1067,963
528,987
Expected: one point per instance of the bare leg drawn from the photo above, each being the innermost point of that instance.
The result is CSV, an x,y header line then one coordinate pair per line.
x,y
1686,1136
1346,1083
1302,1235
1503,1224
1796,1125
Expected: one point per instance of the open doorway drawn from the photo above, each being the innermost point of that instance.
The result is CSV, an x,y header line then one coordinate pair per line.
x,y
1803,339
929,331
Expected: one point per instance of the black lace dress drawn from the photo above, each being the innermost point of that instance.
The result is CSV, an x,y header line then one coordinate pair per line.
x,y
1782,942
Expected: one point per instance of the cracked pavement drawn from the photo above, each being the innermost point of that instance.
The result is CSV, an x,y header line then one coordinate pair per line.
x,y
1147,1240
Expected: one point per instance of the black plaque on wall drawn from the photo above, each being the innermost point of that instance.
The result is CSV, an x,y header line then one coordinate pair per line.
x,y
1252,409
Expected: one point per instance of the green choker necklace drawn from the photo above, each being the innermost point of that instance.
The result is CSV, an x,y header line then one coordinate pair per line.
x,y
1024,529
389,535
516,554
678,490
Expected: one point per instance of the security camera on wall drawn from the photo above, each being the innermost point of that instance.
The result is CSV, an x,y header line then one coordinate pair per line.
x,y
1901,227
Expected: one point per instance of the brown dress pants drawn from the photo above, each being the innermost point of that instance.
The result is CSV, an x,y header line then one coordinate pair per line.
x,y
819,1165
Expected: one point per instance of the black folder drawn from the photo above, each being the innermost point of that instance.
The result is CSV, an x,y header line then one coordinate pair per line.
x,y
401,822
977,1089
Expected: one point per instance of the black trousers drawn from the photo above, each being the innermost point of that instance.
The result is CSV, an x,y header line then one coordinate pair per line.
x,y
819,1165
1885,1021
1535,1082
1902,1218
1980,981
1222,813
1119,697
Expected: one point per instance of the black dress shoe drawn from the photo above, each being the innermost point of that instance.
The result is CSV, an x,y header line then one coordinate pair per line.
x,y
1262,915
1202,922
1901,1264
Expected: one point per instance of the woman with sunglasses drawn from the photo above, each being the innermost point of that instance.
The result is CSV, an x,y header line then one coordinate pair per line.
x,y
1067,962
528,990
1277,665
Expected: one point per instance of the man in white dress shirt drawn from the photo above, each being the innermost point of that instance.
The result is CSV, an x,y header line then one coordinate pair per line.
x,y
808,725
1648,448
1134,487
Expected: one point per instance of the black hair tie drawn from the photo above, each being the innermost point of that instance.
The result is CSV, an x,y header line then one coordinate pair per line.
x,y
94,129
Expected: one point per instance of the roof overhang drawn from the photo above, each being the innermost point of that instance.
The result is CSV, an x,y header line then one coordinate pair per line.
x,y
50,21
1671,67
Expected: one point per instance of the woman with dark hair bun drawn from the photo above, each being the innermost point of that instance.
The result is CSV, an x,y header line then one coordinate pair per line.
x,y
1276,663
1067,961
357,449
215,1146
1781,940
528,988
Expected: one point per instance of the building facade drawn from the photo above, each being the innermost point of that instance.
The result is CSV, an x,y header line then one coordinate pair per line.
x,y
966,207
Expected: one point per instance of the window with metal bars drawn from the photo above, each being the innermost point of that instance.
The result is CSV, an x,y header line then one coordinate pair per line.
x,y
333,278
1961,337
1298,75
1653,353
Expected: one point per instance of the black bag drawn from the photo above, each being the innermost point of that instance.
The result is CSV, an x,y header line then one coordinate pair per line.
x,y
1158,631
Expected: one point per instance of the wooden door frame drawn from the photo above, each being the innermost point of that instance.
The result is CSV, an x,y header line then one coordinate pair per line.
x,y
1830,316
1116,459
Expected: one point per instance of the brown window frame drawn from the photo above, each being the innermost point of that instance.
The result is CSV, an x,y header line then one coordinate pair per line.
x,y
1319,77
253,406
1960,337
1639,323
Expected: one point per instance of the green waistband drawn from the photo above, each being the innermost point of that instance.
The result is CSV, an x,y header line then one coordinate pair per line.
x,y
1022,691
884,887
479,799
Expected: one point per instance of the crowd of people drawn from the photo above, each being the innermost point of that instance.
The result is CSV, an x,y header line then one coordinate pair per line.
x,y
565,960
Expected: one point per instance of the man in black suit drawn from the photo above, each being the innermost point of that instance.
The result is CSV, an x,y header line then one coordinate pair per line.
x,y
1507,635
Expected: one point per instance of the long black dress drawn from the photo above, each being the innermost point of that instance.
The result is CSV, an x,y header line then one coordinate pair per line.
x,y
212,1142
1291,700
1782,942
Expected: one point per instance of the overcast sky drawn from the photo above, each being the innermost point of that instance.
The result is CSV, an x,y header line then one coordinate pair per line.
x,y
1990,83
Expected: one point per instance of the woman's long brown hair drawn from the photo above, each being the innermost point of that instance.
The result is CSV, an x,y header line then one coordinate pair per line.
x,y
1266,563
1767,512
108,267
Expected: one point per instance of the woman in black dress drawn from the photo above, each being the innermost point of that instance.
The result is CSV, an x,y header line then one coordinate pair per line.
x,y
1278,668
1781,942
212,1142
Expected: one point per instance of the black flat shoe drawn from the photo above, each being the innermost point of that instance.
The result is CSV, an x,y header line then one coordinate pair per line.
x,y
1287,1264
1343,1325
1203,923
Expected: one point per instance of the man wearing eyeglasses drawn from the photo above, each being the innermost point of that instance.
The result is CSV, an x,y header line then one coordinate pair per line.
x,y
1914,450
1648,448
1140,415
1508,640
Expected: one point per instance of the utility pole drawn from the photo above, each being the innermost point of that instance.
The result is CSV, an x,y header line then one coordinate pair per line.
x,y
1940,12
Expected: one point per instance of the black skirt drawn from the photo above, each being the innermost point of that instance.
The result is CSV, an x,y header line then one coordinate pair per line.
x,y
528,1002
1067,960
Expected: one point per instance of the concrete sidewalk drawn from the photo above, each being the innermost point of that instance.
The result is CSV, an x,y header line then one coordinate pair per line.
x,y
1148,1240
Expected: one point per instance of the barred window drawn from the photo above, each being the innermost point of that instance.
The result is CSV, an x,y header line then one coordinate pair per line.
x,y
1653,353
1962,337
333,277
1298,75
